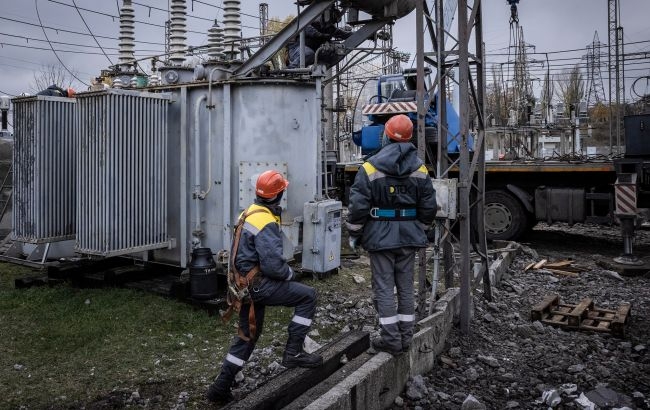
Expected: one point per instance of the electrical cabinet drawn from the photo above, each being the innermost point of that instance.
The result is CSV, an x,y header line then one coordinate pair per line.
x,y
321,236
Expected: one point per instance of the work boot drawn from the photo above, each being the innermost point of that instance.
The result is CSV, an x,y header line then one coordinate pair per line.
x,y
381,346
219,393
219,390
301,359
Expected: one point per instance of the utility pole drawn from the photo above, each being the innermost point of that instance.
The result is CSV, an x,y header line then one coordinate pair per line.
x,y
264,21
616,80
471,168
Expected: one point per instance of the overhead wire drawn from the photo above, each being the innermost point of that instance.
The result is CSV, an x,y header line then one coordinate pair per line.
x,y
91,32
241,12
64,51
52,47
72,31
68,44
117,17
144,22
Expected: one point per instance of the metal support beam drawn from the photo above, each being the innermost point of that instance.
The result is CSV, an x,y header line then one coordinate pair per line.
x,y
280,40
464,180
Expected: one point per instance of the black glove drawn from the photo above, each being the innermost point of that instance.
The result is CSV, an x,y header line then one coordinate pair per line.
x,y
353,241
343,34
323,36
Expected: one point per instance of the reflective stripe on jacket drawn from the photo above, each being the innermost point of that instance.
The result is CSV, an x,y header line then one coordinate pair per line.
x,y
394,178
261,242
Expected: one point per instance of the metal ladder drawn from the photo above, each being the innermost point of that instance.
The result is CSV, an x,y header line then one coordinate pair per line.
x,y
6,191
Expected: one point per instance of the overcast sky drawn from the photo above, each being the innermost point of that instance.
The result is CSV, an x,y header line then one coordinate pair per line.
x,y
552,26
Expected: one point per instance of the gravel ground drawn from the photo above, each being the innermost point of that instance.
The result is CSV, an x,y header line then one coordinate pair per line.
x,y
508,361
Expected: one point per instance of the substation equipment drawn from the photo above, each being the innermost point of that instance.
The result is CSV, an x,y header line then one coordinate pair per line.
x,y
155,168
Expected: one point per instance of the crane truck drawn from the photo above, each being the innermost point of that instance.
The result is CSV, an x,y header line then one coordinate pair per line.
x,y
521,193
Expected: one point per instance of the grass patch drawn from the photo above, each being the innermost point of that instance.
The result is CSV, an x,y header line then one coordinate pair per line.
x,y
63,347
60,346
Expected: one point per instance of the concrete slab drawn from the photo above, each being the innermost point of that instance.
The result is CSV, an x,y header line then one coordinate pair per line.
x,y
373,386
290,384
378,381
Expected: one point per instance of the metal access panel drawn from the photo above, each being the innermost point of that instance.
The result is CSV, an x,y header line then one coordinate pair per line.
x,y
560,205
248,173
637,135
321,246
122,179
446,197
44,173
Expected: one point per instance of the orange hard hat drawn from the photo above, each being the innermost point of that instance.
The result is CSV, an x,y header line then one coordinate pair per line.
x,y
269,184
71,92
399,128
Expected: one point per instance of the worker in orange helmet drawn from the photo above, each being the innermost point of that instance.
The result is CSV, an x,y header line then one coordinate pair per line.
x,y
56,91
259,250
392,203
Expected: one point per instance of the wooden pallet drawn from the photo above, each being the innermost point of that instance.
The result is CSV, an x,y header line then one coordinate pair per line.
x,y
583,316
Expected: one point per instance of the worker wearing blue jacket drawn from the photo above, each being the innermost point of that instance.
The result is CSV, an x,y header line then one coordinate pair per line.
x,y
260,248
392,203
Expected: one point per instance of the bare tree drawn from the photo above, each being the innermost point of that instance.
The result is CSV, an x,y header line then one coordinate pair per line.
x,y
52,74
572,88
273,27
547,96
497,98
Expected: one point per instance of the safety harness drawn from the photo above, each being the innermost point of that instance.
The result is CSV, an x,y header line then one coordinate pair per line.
x,y
396,214
239,285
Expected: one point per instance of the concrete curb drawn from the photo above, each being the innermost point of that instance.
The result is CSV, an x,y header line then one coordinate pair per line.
x,y
377,382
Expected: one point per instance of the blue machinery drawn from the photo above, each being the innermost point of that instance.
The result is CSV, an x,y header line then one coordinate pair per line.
x,y
396,95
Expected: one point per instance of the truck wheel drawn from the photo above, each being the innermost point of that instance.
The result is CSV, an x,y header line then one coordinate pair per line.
x,y
505,217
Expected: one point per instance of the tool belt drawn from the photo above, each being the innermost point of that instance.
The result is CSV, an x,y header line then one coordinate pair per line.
x,y
239,286
394,214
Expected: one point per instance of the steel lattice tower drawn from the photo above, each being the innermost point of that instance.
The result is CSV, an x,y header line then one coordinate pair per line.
x,y
595,88
616,80
264,21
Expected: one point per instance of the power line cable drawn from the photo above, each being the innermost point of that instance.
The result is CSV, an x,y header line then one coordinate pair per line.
x,y
65,51
137,21
71,44
569,50
117,17
72,31
52,47
165,11
91,32
242,13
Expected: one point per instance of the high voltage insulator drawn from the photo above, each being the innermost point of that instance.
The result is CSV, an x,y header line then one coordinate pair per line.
x,y
127,34
232,27
215,42
178,32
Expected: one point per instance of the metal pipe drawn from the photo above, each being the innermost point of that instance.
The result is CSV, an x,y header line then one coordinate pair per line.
x,y
227,157
183,179
302,49
319,150
292,71
210,106
196,240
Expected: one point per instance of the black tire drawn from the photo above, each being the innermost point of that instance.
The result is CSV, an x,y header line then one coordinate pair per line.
x,y
505,216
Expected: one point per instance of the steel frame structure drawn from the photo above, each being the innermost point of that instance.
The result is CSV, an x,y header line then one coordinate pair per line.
x,y
471,168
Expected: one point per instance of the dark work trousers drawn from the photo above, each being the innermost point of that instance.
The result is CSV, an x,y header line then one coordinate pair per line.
x,y
294,56
271,292
394,268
